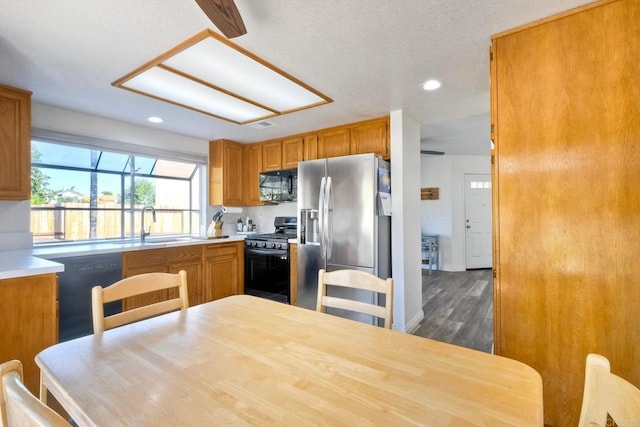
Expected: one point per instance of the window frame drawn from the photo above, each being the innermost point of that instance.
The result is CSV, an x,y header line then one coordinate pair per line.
x,y
127,208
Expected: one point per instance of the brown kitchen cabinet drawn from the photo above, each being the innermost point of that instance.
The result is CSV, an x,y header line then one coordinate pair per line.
x,y
140,262
189,259
293,275
252,169
29,319
225,173
213,271
292,152
333,143
371,137
224,270
565,213
15,144
271,156
310,146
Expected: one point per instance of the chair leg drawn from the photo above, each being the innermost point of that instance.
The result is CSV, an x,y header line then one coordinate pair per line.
x,y
43,390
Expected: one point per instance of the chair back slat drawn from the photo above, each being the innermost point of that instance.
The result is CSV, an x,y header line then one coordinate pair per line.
x,y
607,398
18,407
356,279
133,286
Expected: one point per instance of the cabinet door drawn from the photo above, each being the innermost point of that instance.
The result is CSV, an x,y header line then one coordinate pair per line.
x,y
139,262
371,137
15,144
29,319
232,174
272,156
333,143
310,147
225,173
253,167
292,152
189,259
293,266
224,270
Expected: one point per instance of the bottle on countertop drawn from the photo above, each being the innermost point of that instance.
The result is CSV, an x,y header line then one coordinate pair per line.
x,y
239,225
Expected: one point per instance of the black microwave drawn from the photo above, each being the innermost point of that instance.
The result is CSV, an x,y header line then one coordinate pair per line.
x,y
279,186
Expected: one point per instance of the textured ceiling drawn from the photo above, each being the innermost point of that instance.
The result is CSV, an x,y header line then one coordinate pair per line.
x,y
369,56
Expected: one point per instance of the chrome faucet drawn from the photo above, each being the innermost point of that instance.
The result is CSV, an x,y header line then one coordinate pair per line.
x,y
144,233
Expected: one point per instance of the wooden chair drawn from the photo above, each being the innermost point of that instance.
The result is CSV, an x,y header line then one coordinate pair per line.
x,y
137,285
18,406
607,399
357,280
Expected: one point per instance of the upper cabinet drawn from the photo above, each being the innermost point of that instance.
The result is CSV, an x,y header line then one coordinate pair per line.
x,y
271,156
234,168
333,143
282,154
15,144
225,173
292,152
252,169
371,137
310,146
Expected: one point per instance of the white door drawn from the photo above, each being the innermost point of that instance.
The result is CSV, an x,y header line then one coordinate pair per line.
x,y
477,204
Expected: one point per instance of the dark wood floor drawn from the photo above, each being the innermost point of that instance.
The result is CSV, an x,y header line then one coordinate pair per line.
x,y
458,308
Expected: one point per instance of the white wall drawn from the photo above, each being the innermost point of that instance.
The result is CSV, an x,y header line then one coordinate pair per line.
x,y
15,226
405,222
262,216
445,217
73,122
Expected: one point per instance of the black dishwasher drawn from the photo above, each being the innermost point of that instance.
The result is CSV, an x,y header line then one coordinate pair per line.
x,y
80,274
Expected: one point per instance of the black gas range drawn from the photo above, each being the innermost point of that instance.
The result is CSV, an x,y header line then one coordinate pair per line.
x,y
266,261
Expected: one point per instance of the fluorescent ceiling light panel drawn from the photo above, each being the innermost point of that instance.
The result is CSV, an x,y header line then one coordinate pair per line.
x,y
210,74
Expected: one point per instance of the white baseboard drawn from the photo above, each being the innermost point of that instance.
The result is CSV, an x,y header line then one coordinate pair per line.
x,y
411,326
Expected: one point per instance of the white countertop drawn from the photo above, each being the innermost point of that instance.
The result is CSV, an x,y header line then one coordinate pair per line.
x,y
23,263
96,248
30,262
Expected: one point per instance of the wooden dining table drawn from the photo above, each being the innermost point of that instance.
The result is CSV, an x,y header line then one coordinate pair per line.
x,y
246,361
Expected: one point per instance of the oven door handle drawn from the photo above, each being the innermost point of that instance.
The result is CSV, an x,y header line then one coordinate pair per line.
x,y
282,254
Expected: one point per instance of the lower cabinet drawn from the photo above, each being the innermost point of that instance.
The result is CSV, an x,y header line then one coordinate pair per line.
x,y
213,271
29,321
224,270
140,262
189,259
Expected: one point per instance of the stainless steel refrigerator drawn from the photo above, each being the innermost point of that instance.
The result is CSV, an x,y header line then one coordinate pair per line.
x,y
341,223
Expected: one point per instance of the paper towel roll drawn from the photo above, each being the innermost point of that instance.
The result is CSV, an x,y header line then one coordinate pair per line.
x,y
230,209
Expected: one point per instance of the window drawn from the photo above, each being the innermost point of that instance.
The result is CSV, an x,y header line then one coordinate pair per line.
x,y
86,193
480,185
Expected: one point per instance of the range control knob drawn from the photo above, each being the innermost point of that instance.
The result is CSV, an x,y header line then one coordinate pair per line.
x,y
264,244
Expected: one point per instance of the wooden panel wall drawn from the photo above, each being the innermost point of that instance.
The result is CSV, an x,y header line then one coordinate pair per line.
x,y
566,116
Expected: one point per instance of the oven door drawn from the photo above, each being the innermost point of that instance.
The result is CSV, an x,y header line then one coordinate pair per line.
x,y
266,273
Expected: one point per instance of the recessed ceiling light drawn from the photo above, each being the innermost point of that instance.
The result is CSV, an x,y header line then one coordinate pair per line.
x,y
431,85
154,119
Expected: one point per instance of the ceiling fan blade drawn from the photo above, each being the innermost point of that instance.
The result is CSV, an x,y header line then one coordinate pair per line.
x,y
224,14
432,152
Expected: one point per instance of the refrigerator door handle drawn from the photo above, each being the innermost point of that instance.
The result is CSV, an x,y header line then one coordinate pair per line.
x,y
321,212
328,226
